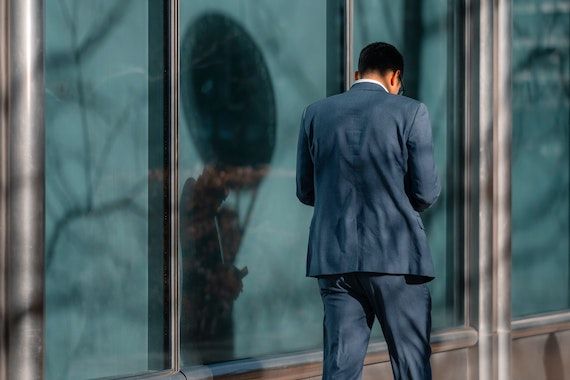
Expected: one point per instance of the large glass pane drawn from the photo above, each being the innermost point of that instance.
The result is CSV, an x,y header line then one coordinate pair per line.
x,y
248,68
106,226
540,157
428,34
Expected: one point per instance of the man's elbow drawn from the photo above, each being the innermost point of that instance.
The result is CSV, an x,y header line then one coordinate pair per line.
x,y
425,200
307,199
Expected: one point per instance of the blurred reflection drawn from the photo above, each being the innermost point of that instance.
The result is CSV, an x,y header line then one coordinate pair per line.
x,y
210,236
540,158
230,98
229,92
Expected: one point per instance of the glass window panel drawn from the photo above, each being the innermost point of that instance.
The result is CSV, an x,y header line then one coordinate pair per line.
x,y
540,157
248,68
428,34
106,231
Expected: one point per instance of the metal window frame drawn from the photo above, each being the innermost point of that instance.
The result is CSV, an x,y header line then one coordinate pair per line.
x,y
502,128
3,177
485,186
174,175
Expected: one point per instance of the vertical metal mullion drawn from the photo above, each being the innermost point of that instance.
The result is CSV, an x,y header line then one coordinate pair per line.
x,y
455,196
348,42
485,222
174,47
3,178
467,165
495,190
502,186
26,211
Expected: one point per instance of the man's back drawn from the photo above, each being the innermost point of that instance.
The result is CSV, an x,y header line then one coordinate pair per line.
x,y
365,162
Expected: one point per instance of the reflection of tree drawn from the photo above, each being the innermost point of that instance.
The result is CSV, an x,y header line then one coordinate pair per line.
x,y
540,155
73,58
77,177
87,100
211,235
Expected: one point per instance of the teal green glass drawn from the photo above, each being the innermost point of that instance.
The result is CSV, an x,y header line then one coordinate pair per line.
x,y
540,159
427,36
248,69
106,313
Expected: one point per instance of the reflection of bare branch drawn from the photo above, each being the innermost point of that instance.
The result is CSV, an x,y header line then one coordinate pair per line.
x,y
541,55
81,93
95,37
73,57
76,61
540,209
119,124
125,203
55,162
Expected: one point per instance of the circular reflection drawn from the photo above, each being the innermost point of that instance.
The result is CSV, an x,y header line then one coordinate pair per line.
x,y
229,101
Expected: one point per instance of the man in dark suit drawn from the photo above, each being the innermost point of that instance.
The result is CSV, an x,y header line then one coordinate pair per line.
x,y
365,163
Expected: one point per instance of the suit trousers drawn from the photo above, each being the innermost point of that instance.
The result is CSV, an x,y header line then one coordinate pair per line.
x,y
402,304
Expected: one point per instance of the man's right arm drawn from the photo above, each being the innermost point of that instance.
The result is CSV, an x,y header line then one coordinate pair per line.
x,y
422,182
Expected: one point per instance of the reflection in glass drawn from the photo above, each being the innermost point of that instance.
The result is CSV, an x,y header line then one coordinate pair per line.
x,y
234,134
211,237
229,92
540,158
106,274
246,75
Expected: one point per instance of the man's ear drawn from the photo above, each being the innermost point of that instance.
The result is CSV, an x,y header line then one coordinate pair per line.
x,y
394,77
356,75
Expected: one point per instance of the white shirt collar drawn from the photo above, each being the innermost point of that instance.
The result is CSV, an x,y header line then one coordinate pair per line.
x,y
372,81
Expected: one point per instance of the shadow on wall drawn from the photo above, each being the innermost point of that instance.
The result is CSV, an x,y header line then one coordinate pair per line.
x,y
228,98
552,359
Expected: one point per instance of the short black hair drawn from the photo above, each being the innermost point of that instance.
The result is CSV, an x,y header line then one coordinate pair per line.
x,y
381,57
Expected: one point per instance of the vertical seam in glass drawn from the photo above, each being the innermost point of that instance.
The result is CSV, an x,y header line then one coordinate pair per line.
x,y
173,141
3,177
348,41
467,166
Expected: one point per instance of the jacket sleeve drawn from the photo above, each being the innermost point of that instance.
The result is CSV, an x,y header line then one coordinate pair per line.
x,y
305,166
422,182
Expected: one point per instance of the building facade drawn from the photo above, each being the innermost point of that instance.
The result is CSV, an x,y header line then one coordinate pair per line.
x,y
148,221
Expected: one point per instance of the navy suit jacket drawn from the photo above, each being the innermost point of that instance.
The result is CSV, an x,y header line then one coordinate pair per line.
x,y
365,163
